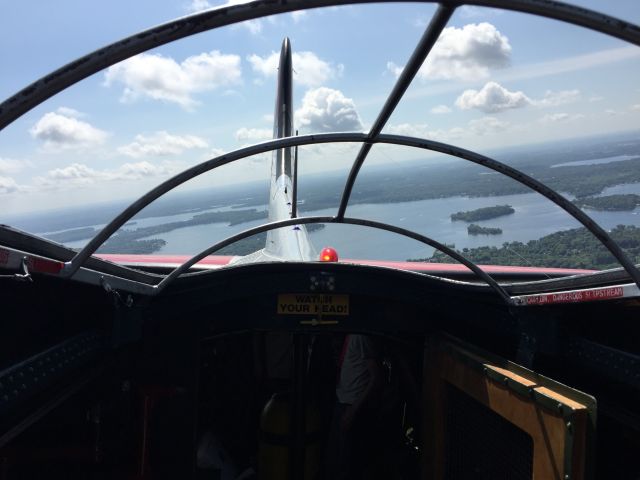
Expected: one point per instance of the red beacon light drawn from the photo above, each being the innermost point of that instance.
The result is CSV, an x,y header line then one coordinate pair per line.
x,y
328,254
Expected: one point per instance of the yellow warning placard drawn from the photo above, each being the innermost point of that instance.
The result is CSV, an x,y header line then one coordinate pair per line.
x,y
313,304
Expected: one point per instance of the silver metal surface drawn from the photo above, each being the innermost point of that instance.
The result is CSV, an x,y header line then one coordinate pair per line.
x,y
234,238
294,193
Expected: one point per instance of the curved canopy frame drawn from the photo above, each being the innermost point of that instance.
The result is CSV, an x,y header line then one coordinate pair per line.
x,y
72,266
183,27
348,221
36,93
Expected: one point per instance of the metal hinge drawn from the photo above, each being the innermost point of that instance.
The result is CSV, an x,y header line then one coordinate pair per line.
x,y
25,276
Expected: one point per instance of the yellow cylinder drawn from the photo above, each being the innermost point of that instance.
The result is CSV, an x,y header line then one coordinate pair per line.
x,y
275,440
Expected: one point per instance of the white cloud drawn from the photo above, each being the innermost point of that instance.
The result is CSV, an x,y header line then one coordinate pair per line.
x,y
215,152
469,11
70,112
394,69
9,166
299,15
422,130
253,134
560,117
635,107
553,99
78,174
8,185
447,135
309,69
162,78
254,26
59,132
611,112
526,72
571,64
198,6
327,110
138,170
440,109
466,53
487,126
420,22
492,98
160,144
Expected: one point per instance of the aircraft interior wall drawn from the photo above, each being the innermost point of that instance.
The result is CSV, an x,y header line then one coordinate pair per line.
x,y
163,387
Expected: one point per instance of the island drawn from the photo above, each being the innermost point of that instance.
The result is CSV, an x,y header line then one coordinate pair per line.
x,y
133,241
134,247
575,248
72,235
609,203
474,229
130,241
485,213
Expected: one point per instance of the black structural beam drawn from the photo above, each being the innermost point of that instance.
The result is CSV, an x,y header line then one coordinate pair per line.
x,y
53,83
426,43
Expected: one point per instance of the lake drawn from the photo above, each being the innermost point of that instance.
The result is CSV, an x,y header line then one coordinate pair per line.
x,y
596,161
534,217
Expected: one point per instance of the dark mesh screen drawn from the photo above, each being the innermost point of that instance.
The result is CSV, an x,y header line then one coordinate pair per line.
x,y
481,445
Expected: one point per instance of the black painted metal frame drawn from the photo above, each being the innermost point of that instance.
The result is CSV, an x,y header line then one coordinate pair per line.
x,y
55,82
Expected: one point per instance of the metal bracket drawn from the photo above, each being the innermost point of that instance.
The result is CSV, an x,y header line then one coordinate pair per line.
x,y
25,276
127,302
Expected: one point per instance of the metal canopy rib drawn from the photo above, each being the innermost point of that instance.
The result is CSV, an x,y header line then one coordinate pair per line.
x,y
66,76
39,91
186,175
350,221
426,43
77,262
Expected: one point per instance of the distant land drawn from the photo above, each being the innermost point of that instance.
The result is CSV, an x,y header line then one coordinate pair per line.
x,y
459,178
130,242
474,229
233,217
485,213
561,165
72,235
611,203
575,248
408,181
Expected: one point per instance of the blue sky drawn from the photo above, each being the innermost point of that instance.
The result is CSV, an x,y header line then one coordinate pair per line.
x,y
496,79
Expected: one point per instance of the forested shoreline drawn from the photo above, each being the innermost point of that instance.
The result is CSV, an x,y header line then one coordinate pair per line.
x,y
575,248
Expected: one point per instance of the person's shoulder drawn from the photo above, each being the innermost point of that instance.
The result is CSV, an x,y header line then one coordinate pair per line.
x,y
369,345
360,339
